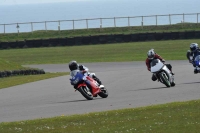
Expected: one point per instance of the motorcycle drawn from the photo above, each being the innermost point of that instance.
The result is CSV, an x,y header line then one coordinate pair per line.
x,y
162,73
87,86
197,63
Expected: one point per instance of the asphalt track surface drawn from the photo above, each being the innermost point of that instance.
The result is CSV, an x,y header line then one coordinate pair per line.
x,y
129,85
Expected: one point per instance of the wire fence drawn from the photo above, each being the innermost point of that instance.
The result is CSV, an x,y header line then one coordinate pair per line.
x,y
154,20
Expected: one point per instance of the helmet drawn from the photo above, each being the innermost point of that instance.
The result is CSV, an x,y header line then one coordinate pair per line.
x,y
73,65
194,47
151,54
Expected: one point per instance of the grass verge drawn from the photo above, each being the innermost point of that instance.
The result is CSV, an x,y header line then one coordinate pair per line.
x,y
18,80
119,52
177,117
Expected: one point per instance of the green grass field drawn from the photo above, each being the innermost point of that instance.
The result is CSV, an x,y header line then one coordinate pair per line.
x,y
121,52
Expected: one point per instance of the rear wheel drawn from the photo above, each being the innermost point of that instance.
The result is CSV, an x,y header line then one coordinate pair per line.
x,y
165,79
103,93
85,91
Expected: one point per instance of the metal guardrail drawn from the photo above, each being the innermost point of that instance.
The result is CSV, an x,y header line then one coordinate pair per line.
x,y
155,20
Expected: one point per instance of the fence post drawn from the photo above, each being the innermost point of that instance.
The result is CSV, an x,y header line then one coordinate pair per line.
x,y
197,18
17,28
142,23
128,21
169,19
87,23
4,28
183,18
156,20
73,24
32,27
59,25
100,24
45,26
114,22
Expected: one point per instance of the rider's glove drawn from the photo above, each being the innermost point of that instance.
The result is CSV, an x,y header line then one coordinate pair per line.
x,y
163,60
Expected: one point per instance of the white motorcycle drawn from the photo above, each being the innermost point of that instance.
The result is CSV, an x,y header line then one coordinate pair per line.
x,y
162,73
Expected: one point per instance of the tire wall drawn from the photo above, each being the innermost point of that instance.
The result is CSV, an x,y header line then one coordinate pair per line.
x,y
100,39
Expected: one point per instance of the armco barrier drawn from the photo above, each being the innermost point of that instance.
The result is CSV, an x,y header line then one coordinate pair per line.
x,y
101,39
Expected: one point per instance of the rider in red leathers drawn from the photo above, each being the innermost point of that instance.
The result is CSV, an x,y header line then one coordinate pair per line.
x,y
152,55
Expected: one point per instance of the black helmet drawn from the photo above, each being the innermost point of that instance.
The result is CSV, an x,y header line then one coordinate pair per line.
x,y
194,47
73,65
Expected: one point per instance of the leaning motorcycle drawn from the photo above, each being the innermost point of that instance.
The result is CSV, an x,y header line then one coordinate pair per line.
x,y
162,73
197,63
87,86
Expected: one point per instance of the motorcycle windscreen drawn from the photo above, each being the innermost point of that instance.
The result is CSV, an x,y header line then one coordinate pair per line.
x,y
156,65
197,60
77,77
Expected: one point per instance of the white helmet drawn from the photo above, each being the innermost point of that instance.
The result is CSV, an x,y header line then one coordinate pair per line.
x,y
151,54
194,47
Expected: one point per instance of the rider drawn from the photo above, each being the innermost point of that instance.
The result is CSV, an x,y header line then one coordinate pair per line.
x,y
152,55
192,53
73,65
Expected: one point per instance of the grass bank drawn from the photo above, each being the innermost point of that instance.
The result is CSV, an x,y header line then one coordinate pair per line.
x,y
104,31
177,117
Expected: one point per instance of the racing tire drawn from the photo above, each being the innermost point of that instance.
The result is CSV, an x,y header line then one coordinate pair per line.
x,y
85,91
173,84
103,93
164,79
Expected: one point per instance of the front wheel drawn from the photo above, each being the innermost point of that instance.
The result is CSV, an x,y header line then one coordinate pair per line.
x,y
165,79
85,91
103,93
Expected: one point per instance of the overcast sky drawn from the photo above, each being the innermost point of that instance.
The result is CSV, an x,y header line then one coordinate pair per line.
x,y
13,2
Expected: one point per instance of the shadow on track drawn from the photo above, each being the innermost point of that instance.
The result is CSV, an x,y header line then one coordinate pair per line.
x,y
150,88
191,83
78,100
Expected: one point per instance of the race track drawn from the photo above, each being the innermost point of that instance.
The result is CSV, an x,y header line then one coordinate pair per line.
x,y
129,85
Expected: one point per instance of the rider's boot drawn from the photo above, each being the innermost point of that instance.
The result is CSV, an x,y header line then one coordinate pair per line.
x,y
97,79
